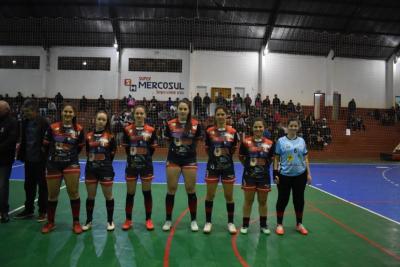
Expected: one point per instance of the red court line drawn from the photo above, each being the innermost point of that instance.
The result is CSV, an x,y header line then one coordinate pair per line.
x,y
171,236
236,251
363,237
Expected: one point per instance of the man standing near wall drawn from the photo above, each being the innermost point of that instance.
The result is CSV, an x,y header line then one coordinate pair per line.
x,y
8,140
352,107
207,102
197,104
247,103
33,130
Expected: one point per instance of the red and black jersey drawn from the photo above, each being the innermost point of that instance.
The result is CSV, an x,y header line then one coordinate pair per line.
x,y
139,143
64,142
100,147
256,154
221,144
182,145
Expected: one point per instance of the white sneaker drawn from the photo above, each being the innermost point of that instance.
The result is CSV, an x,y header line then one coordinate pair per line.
x,y
194,226
207,228
231,228
167,226
243,230
87,226
265,230
110,226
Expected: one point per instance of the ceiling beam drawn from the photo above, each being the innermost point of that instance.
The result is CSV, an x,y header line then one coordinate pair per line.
x,y
396,50
271,22
325,42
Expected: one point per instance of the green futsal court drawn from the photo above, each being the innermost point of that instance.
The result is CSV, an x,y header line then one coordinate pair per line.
x,y
340,235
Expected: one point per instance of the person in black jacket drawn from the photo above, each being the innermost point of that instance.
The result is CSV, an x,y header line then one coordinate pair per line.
x,y
8,140
33,129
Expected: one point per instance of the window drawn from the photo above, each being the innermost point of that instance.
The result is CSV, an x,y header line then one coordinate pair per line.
x,y
20,62
155,65
84,63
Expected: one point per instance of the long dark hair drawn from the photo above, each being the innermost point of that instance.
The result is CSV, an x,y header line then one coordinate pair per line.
x,y
256,120
188,126
218,108
135,108
107,128
74,119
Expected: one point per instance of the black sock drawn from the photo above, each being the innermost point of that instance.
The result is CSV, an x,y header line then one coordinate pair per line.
x,y
169,206
89,210
209,208
110,210
263,221
230,207
75,207
130,198
148,203
192,202
246,222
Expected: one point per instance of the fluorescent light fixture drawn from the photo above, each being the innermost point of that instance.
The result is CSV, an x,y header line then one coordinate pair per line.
x,y
84,63
115,45
14,62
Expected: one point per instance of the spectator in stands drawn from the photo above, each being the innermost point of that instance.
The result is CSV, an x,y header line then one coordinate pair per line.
x,y
277,118
145,103
8,140
247,103
283,108
319,141
83,104
197,103
299,109
397,109
352,107
33,129
123,103
19,99
153,101
326,132
276,103
266,103
207,102
240,102
43,106
169,103
258,102
360,124
101,103
290,106
59,100
220,101
51,107
130,102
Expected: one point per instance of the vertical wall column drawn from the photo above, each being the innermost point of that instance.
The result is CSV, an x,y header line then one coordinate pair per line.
x,y
389,82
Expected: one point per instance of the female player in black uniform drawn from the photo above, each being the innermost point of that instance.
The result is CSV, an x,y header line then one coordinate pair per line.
x,y
140,141
256,154
293,175
182,134
221,140
64,141
100,150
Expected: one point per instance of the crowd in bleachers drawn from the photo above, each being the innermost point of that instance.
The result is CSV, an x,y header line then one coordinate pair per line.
x,y
243,111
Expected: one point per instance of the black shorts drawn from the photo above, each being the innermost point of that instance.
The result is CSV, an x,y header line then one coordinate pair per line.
x,y
227,175
255,183
189,164
103,174
145,174
56,169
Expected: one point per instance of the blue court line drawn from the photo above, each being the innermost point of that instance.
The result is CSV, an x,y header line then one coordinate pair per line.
x,y
369,186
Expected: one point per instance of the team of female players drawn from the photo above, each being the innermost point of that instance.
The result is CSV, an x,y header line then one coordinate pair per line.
x,y
65,139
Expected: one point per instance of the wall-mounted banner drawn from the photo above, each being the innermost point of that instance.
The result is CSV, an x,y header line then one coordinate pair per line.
x,y
162,89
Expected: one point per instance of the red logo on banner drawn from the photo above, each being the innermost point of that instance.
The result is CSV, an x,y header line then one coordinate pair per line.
x,y
128,82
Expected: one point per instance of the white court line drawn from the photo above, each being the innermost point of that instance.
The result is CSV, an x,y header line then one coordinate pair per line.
x,y
354,204
21,207
382,167
388,179
16,166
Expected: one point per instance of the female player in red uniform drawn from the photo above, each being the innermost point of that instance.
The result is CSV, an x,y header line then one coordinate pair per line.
x,y
221,140
140,141
256,153
64,141
100,150
182,134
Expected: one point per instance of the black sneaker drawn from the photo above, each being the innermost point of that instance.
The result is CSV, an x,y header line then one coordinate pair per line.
x,y
4,218
24,215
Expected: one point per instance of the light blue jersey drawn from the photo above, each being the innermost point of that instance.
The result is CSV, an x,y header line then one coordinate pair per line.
x,y
292,154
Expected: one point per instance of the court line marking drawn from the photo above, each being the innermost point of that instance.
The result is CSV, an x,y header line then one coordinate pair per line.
x,y
388,179
36,200
354,204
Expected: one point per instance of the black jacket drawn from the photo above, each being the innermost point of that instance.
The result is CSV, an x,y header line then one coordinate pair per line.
x,y
43,125
8,139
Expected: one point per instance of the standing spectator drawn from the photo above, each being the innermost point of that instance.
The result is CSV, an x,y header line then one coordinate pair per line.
x,y
101,103
352,107
153,102
266,103
220,101
299,109
33,130
123,103
197,104
240,102
145,103
258,102
59,100
43,107
276,102
169,103
52,108
19,99
83,104
247,103
277,118
290,106
8,140
131,102
283,108
206,103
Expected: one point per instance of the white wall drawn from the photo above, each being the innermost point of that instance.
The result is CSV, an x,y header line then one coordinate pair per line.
x,y
224,69
170,77
396,78
363,80
74,83
26,81
293,77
